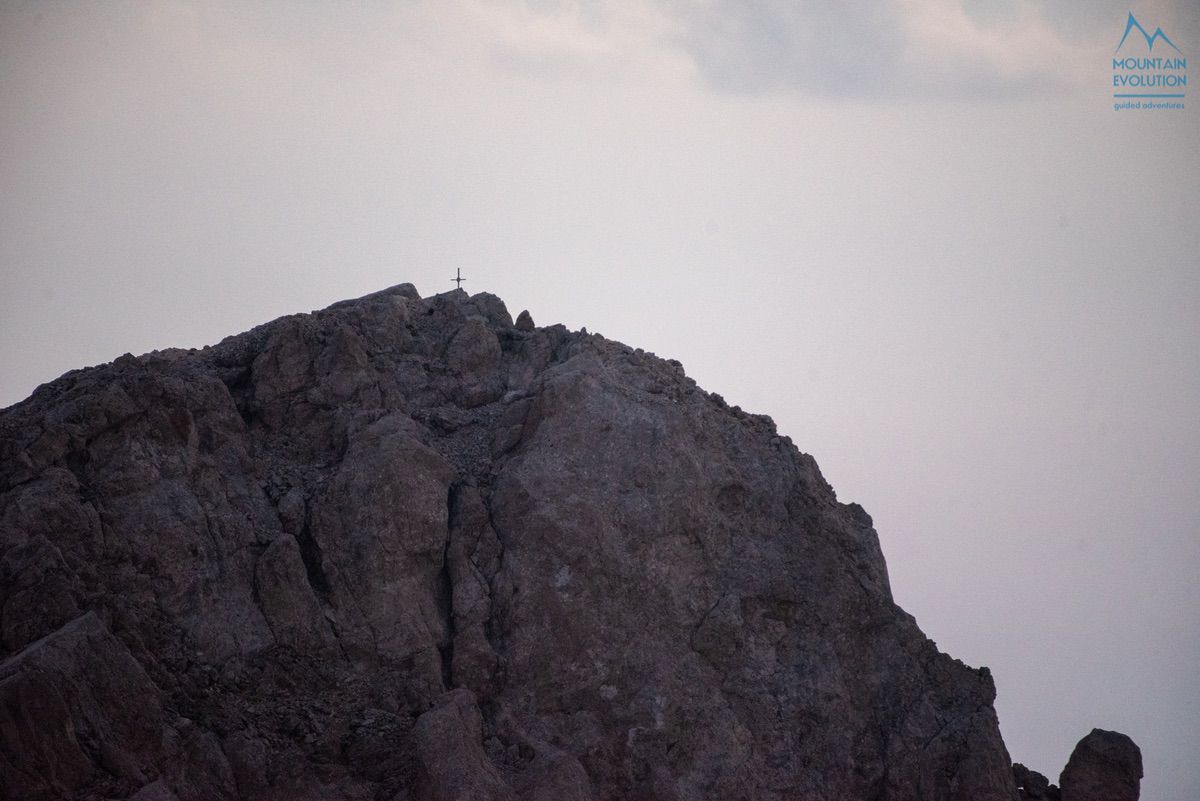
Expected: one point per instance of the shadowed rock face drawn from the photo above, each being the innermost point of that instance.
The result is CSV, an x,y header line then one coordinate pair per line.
x,y
405,549
1033,785
1105,766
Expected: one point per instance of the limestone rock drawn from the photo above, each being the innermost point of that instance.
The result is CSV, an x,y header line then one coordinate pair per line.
x,y
1105,766
449,739
155,791
405,548
75,707
1033,785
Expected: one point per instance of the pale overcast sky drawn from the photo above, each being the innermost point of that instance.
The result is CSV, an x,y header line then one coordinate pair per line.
x,y
917,234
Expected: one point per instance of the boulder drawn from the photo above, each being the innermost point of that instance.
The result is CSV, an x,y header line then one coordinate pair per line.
x,y
449,742
1105,766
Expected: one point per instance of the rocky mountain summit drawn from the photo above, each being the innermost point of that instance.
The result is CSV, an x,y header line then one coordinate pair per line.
x,y
405,549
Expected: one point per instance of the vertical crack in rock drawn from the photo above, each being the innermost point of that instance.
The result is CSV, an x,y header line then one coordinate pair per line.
x,y
446,593
310,554
493,626
704,619
469,559
240,386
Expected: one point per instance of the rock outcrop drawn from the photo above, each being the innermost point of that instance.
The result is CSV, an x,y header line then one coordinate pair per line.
x,y
1032,786
76,709
402,548
1105,766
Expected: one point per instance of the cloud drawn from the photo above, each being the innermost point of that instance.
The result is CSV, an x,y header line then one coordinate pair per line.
x,y
875,49
816,47
881,48
553,39
871,50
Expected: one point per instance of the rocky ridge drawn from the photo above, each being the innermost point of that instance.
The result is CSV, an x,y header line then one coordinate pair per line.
x,y
403,548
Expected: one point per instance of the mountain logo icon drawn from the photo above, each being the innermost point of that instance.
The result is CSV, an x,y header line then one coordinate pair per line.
x,y
1133,24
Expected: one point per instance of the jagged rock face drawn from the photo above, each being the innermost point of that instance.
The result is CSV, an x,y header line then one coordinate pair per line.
x,y
405,549
1105,766
72,699
1033,785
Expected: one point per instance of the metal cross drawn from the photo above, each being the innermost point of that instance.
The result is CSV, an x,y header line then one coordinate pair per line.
x,y
458,279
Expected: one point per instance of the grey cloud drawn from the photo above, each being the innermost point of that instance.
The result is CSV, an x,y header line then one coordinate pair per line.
x,y
817,46
990,10
1096,18
830,49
